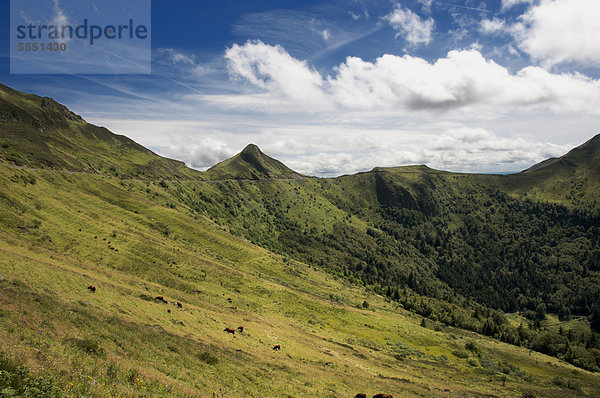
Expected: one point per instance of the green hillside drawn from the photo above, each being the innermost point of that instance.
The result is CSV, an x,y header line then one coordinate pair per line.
x,y
409,281
39,132
572,179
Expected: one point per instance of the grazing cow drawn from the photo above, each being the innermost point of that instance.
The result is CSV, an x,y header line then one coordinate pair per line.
x,y
174,263
229,330
360,395
276,347
240,329
382,396
169,311
116,250
96,237
92,288
79,229
179,305
229,299
103,238
161,298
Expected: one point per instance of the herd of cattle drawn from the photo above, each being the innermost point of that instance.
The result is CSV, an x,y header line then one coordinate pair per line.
x,y
240,329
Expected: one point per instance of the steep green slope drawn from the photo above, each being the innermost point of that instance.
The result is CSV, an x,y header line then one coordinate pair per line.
x,y
61,233
572,179
39,132
251,164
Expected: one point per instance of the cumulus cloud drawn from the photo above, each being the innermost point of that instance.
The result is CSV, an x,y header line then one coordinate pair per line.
x,y
462,80
556,31
272,68
413,28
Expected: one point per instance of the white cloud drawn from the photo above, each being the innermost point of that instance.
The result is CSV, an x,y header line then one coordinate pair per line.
x,y
489,26
326,34
506,4
556,31
413,28
462,80
272,68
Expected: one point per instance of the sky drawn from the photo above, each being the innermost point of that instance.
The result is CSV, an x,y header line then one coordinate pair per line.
x,y
341,86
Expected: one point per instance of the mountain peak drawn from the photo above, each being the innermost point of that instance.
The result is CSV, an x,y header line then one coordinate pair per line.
x,y
251,149
252,164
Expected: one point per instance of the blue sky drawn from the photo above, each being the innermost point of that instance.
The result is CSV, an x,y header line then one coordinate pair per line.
x,y
334,87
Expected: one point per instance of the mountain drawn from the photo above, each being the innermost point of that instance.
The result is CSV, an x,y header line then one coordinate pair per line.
x,y
252,164
39,132
585,156
572,179
406,280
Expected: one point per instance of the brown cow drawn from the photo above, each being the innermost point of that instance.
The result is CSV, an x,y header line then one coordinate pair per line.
x,y
276,347
92,288
179,305
229,330
240,329
382,396
360,395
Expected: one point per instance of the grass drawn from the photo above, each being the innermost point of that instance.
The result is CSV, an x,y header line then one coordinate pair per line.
x,y
119,341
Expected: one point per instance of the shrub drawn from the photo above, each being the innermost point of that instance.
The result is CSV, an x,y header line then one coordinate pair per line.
x,y
206,357
87,345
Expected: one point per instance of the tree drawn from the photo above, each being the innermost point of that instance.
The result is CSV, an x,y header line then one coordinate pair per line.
x,y
595,319
540,312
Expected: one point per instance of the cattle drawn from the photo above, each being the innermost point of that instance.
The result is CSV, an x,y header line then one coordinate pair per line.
x,y
240,329
276,347
79,229
169,311
174,263
103,238
360,395
229,330
96,237
229,299
92,288
382,396
116,250
179,305
161,298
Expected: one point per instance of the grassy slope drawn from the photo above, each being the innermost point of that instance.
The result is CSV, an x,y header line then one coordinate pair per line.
x,y
39,132
572,180
329,347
